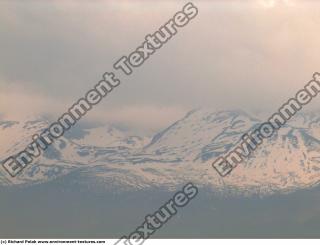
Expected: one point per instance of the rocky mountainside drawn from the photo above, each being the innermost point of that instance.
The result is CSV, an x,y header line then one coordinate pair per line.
x,y
182,152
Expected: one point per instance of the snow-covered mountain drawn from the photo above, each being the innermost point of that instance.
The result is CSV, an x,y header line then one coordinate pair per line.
x,y
183,152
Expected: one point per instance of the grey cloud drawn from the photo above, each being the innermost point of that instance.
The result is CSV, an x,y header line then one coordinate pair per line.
x,y
232,54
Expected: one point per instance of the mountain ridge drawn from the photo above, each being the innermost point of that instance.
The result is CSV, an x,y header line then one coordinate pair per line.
x,y
181,152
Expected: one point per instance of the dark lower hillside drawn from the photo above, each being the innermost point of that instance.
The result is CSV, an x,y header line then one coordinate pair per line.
x,y
68,208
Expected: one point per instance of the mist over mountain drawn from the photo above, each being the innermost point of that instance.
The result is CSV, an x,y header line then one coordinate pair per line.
x,y
107,156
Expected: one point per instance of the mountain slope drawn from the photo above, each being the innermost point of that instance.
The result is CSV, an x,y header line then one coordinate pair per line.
x,y
183,152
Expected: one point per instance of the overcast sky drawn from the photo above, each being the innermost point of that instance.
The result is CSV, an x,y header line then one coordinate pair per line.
x,y
234,54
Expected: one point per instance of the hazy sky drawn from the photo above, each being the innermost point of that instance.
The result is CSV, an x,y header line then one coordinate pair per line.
x,y
234,54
